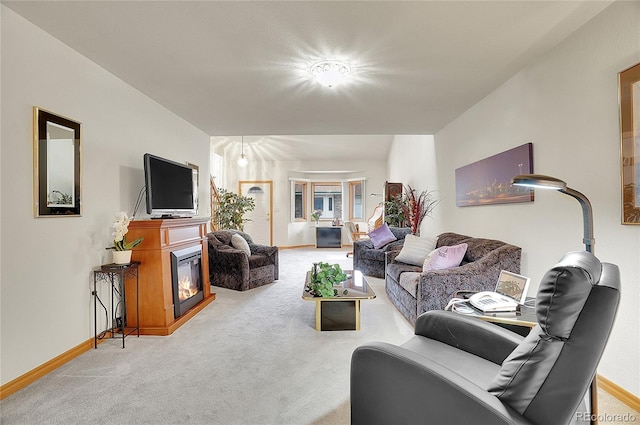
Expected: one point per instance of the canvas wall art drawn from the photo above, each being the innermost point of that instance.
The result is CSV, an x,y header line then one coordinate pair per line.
x,y
488,181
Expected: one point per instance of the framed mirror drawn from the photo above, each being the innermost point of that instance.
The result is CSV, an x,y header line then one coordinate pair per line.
x,y
56,164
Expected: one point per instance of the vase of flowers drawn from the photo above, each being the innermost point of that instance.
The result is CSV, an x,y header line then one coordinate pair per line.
x,y
417,206
315,216
122,248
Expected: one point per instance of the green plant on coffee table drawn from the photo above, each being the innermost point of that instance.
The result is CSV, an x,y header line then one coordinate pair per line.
x,y
323,277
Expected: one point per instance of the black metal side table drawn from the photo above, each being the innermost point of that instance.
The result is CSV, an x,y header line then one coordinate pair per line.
x,y
116,276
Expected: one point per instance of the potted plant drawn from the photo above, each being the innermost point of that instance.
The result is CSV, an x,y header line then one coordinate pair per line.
x,y
122,248
393,211
417,206
231,210
324,278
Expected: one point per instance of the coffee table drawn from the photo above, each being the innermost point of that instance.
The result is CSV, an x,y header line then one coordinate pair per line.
x,y
341,313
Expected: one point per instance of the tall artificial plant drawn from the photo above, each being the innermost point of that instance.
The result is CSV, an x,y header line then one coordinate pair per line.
x,y
417,206
231,210
393,211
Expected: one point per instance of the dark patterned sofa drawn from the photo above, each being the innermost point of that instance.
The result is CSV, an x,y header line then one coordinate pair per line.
x,y
414,292
370,260
232,268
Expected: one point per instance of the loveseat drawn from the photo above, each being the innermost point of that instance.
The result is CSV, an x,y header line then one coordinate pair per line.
x,y
231,267
370,260
413,291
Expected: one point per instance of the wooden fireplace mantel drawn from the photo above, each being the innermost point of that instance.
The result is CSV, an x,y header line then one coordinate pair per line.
x,y
161,237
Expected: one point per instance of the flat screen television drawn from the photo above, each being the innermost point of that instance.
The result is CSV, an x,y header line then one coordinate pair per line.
x,y
171,187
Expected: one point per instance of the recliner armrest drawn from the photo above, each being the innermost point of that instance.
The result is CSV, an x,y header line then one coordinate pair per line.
x,y
393,385
468,333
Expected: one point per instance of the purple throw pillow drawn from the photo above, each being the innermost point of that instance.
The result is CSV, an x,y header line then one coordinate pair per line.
x,y
381,236
445,257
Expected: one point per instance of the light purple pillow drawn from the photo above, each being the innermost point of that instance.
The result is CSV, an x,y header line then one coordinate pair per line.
x,y
381,236
445,257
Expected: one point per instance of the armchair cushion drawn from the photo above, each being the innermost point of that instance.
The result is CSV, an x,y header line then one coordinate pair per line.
x,y
409,282
240,243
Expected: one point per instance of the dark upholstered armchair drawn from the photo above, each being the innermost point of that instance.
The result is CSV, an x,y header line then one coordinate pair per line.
x,y
230,267
370,260
460,370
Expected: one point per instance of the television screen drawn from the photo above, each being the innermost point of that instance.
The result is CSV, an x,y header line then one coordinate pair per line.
x,y
171,188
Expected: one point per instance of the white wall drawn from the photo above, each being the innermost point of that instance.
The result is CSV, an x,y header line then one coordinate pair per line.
x,y
47,262
285,232
413,162
566,103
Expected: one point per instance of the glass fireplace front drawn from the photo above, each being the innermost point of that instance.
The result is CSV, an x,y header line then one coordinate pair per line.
x,y
186,277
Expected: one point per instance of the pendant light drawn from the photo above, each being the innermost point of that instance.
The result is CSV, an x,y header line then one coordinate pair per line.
x,y
242,160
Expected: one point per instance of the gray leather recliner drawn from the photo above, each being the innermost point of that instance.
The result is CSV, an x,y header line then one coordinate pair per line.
x,y
461,370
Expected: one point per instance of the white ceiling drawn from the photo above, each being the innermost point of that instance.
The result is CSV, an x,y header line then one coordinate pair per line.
x,y
240,67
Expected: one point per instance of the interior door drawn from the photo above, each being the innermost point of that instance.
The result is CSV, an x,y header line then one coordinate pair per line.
x,y
260,227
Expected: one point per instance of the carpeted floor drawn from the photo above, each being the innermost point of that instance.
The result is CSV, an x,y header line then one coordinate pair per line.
x,y
248,358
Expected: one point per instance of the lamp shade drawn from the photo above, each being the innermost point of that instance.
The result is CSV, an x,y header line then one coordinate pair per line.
x,y
539,181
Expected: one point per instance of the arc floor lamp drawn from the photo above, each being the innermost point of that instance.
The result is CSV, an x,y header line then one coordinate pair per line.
x,y
539,181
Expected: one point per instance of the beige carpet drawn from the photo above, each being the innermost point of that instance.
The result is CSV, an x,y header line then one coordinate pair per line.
x,y
248,358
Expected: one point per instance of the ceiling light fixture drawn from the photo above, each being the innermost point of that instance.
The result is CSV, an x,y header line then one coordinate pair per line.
x,y
330,72
242,160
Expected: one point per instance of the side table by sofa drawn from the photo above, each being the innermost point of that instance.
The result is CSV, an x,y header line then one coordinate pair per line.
x,y
115,275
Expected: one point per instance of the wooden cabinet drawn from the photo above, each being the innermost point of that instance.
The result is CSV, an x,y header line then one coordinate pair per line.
x,y
161,237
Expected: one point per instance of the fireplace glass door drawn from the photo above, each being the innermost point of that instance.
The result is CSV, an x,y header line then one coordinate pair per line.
x,y
186,276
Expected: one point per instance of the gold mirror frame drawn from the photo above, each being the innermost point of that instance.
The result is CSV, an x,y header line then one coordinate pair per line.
x,y
56,165
629,86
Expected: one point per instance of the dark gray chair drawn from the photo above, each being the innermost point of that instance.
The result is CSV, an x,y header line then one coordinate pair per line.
x,y
461,370
231,268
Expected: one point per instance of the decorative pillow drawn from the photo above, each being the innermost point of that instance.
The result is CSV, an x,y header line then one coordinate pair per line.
x,y
445,257
381,236
240,243
415,249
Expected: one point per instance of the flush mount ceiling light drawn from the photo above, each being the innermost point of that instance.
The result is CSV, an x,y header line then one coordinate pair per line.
x,y
330,72
242,160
